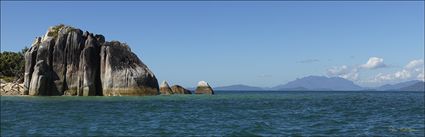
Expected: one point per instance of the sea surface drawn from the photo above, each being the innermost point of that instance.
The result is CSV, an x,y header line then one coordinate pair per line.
x,y
228,113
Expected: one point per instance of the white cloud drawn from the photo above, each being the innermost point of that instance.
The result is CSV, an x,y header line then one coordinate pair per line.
x,y
403,74
343,72
352,73
338,70
382,77
413,70
421,77
374,63
414,64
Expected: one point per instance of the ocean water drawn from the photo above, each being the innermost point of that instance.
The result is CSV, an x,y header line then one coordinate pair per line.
x,y
224,114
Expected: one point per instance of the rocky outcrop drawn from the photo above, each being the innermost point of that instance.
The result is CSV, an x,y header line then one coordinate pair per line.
x,y
89,69
42,80
177,89
30,60
73,62
204,88
165,89
122,73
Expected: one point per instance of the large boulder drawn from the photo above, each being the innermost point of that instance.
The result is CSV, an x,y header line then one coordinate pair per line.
x,y
84,64
30,60
66,57
165,89
73,47
177,89
41,81
122,72
204,88
89,69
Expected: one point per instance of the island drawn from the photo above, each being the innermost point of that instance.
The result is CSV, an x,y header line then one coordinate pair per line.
x,y
71,62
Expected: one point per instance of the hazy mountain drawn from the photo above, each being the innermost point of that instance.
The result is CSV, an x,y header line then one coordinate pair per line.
x,y
320,83
418,86
239,87
397,86
295,89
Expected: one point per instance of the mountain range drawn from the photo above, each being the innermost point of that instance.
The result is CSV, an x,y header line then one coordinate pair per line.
x,y
419,86
322,83
397,85
319,83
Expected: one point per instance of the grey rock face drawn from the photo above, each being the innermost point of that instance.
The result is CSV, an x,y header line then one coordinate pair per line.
x,y
165,89
77,63
73,47
59,60
122,73
177,89
30,60
41,82
204,88
89,71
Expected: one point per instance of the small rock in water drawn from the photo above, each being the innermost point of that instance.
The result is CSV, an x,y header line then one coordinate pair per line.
x,y
165,89
204,88
177,89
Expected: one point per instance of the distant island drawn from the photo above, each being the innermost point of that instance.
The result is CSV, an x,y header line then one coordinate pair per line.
x,y
322,83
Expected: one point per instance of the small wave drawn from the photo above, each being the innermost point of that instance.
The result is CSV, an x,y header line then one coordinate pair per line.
x,y
392,129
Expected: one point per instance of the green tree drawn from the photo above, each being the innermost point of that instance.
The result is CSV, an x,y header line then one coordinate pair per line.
x,y
12,64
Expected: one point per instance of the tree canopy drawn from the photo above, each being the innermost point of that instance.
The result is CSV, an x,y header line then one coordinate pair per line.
x,y
12,64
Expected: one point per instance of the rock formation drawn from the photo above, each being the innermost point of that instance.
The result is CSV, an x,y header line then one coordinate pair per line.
x,y
204,88
42,80
165,89
68,61
177,89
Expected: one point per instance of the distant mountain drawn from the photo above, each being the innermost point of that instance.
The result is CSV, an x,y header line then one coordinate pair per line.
x,y
397,86
320,83
295,89
239,87
418,86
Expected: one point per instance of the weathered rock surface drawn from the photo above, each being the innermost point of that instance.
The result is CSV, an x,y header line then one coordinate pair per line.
x,y
177,89
89,69
42,80
165,89
81,63
30,60
122,73
204,88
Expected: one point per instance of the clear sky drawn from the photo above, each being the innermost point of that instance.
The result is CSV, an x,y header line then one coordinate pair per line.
x,y
254,43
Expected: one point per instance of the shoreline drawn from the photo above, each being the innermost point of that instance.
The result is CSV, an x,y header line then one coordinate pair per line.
x,y
11,89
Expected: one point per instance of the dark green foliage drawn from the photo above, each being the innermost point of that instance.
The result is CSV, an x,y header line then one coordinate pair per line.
x,y
12,64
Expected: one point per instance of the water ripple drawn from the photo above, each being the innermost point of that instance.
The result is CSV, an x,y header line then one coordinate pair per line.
x,y
224,114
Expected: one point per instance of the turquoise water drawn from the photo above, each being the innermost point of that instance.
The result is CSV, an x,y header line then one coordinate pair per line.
x,y
223,114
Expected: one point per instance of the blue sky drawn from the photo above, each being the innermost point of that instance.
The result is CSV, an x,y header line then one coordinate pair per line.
x,y
253,43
